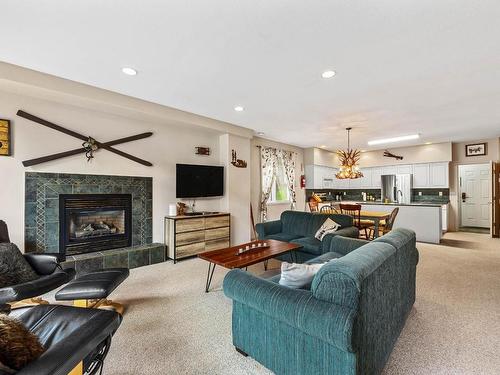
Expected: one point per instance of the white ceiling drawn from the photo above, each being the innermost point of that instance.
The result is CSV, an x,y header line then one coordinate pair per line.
x,y
403,66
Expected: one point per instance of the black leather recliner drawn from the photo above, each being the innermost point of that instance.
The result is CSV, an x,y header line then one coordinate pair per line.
x,y
69,335
46,266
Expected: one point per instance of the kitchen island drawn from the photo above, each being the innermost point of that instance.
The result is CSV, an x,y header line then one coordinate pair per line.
x,y
423,218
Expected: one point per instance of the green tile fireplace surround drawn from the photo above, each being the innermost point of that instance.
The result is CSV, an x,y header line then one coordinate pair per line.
x,y
42,192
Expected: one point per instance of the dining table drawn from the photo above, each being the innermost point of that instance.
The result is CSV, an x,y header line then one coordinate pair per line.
x,y
376,217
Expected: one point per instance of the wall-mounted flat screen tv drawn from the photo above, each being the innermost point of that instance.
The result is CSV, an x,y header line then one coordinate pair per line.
x,y
199,181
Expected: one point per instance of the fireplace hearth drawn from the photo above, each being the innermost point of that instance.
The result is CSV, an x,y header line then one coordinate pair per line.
x,y
94,222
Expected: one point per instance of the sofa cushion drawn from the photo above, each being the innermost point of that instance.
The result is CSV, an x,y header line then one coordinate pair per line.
x,y
305,224
286,237
309,245
295,275
329,226
323,258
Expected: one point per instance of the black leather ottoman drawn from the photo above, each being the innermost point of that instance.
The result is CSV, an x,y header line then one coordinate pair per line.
x,y
92,289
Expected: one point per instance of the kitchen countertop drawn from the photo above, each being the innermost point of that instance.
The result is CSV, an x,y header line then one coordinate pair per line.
x,y
420,204
417,204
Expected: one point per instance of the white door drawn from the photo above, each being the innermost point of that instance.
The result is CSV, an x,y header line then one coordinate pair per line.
x,y
475,195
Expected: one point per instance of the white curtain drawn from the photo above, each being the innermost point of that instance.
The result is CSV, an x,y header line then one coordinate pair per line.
x,y
289,164
268,162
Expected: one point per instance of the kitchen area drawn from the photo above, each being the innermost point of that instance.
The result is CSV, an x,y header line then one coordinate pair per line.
x,y
420,190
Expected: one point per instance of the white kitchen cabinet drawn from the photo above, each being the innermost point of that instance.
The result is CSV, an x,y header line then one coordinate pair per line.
x,y
376,182
421,175
366,181
404,169
439,175
390,169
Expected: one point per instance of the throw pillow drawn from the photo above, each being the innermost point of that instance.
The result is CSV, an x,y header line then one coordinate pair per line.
x,y
14,268
18,346
296,275
328,226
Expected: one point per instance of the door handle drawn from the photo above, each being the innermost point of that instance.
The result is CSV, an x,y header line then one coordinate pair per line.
x,y
464,197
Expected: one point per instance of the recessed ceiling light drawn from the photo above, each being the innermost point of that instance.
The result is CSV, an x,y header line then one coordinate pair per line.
x,y
260,133
428,143
328,74
129,71
322,146
393,140
363,150
239,108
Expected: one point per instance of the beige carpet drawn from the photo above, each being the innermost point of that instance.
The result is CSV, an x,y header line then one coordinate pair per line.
x,y
173,327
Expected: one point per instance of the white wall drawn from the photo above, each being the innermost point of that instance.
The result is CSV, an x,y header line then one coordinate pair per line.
x,y
274,210
237,197
176,134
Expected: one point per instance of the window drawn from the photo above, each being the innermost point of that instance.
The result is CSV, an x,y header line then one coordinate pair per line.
x,y
279,191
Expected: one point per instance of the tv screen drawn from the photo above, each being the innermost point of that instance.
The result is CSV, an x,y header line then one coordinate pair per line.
x,y
197,181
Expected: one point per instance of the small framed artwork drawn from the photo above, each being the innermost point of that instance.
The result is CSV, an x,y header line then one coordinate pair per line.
x,y
5,142
476,149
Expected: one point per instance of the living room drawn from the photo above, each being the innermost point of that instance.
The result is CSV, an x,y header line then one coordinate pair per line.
x,y
223,136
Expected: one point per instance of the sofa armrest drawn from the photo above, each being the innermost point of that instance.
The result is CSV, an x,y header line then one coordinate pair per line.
x,y
351,232
43,264
298,308
267,228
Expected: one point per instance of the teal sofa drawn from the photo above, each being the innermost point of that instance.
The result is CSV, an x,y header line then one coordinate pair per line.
x,y
346,323
300,228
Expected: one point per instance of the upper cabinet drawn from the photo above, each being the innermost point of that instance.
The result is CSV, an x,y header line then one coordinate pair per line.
x,y
404,169
376,177
439,175
421,175
425,175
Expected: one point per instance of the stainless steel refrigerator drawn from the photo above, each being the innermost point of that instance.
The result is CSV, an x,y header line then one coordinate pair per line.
x,y
396,188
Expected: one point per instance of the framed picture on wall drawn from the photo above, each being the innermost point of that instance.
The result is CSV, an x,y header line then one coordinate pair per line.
x,y
476,149
5,142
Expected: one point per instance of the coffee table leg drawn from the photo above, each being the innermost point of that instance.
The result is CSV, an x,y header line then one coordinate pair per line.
x,y
265,265
211,269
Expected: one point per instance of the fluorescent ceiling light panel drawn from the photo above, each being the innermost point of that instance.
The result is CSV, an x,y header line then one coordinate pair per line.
x,y
393,140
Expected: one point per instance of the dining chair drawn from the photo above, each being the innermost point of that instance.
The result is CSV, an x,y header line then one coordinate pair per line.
x,y
313,205
354,210
386,227
330,209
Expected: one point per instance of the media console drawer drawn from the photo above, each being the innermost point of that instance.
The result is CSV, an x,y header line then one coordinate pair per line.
x,y
186,236
186,225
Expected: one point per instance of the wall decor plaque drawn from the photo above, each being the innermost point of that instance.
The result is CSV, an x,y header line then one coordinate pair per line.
x,y
5,139
476,149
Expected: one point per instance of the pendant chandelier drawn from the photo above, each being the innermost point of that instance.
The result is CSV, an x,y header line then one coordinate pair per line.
x,y
349,161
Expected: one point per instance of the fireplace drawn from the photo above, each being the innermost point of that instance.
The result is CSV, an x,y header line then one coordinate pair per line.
x,y
94,222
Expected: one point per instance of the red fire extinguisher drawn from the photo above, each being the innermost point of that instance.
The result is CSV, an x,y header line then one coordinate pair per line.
x,y
302,181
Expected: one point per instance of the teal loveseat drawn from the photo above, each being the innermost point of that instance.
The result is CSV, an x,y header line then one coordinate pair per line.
x,y
346,323
300,228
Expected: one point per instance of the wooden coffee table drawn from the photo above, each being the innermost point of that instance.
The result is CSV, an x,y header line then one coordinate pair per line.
x,y
230,259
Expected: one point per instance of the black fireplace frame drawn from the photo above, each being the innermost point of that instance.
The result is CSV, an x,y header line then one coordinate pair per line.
x,y
69,203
